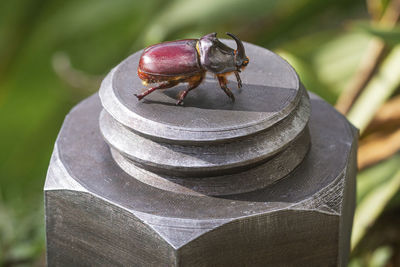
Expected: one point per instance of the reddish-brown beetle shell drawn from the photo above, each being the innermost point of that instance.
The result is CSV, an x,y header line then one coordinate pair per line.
x,y
173,59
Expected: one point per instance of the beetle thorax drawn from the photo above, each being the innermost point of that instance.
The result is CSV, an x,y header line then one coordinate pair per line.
x,y
215,56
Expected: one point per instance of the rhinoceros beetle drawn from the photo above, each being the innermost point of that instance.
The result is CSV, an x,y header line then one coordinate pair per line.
x,y
188,60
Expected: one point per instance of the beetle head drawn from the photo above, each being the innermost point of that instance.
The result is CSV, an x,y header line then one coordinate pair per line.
x,y
241,60
217,57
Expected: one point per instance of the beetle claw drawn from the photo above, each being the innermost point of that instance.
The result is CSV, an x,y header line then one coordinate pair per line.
x,y
139,97
230,94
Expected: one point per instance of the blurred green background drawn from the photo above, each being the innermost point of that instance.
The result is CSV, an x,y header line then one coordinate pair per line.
x,y
55,53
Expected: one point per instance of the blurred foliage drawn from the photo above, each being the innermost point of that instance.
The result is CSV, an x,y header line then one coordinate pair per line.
x,y
390,36
379,89
55,53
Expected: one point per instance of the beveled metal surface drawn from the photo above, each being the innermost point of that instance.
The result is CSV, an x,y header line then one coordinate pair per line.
x,y
82,148
246,180
211,159
313,203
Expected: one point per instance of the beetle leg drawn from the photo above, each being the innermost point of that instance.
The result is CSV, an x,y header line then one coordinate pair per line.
x,y
193,83
222,82
239,81
165,85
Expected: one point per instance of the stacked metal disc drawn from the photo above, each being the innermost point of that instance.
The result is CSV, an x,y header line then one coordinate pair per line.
x,y
205,146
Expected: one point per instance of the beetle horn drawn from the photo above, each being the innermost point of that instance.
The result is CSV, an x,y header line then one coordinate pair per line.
x,y
240,48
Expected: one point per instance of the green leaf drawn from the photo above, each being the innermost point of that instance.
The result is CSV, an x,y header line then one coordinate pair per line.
x,y
326,61
389,35
381,257
336,60
307,76
211,14
372,177
374,201
378,90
